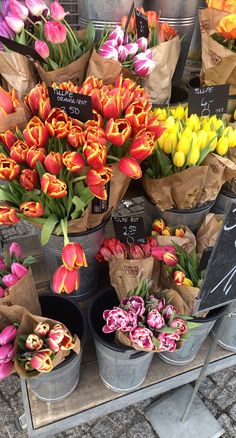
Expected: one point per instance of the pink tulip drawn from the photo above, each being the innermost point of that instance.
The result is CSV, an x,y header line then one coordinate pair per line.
x,y
132,48
18,269
142,336
15,23
19,10
142,65
9,280
5,101
148,54
42,49
108,51
55,32
36,7
118,35
168,311
3,266
136,252
42,361
6,369
155,319
7,353
15,249
142,44
135,304
2,292
122,53
180,325
116,319
158,252
8,334
42,328
57,11
167,341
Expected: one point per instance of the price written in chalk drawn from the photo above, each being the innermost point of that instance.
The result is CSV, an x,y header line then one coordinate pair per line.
x,y
77,106
129,229
207,101
141,24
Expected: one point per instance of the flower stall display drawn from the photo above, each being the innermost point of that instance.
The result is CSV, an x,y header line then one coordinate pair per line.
x,y
12,111
164,45
208,232
16,280
165,235
146,321
218,47
190,149
7,350
57,166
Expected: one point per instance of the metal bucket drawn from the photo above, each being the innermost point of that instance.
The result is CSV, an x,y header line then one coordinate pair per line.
x,y
178,95
224,201
182,15
227,338
195,50
189,350
63,380
191,218
121,368
104,12
91,242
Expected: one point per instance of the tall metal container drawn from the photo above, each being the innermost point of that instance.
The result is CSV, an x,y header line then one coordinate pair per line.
x,y
227,338
195,50
182,15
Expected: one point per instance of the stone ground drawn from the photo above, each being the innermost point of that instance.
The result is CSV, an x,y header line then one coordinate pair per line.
x,y
218,392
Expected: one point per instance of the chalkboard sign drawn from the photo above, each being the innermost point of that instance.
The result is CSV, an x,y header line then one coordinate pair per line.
x,y
129,229
205,258
129,17
23,50
219,285
207,101
78,106
141,24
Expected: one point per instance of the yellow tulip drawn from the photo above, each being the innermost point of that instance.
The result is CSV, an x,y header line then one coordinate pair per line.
x,y
202,138
194,155
179,159
184,144
235,115
187,282
162,139
160,113
222,146
178,112
170,142
207,126
212,137
170,123
193,122
226,131
232,138
216,124
187,132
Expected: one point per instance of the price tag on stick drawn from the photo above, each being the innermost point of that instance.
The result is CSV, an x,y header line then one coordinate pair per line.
x,y
141,24
129,229
77,106
207,101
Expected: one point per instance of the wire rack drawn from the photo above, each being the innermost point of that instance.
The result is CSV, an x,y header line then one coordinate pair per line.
x,y
73,8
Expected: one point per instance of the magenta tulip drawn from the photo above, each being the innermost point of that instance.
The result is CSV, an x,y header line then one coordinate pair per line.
x,y
132,48
108,51
19,10
57,11
9,280
118,35
18,269
55,32
8,334
7,352
142,65
36,7
2,264
142,44
15,249
42,48
2,292
14,23
6,369
122,53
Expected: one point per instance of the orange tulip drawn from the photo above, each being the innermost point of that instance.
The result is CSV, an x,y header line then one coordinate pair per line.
x,y
97,179
112,106
153,19
8,138
36,133
73,161
95,154
159,225
224,5
65,280
19,151
179,232
59,123
14,98
132,24
137,115
6,102
155,126
166,32
118,131
227,27
8,215
76,137
73,256
34,155
142,145
9,169
96,134
130,167
178,278
32,209
29,179
97,120
53,162
166,232
53,186
44,108
37,94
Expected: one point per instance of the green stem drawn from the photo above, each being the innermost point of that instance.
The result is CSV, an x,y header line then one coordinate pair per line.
x,y
60,50
110,157
79,178
64,230
43,18
30,34
71,32
68,48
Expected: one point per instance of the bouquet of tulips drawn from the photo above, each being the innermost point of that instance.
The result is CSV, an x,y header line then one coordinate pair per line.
x,y
185,152
7,350
16,281
169,235
146,322
57,166
223,5
163,44
12,111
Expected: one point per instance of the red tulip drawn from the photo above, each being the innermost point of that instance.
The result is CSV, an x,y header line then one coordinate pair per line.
x,y
44,108
53,162
19,151
58,123
96,134
34,155
32,209
97,179
41,361
158,225
142,145
158,252
76,137
170,259
155,126
130,167
65,280
179,232
95,154
29,179
8,215
36,133
53,186
73,256
8,138
118,131
73,161
9,169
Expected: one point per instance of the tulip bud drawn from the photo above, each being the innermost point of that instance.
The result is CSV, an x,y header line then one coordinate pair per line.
x,y
8,334
108,51
170,123
42,49
117,35
73,256
184,145
6,102
42,361
55,32
179,232
15,23
158,225
42,328
136,252
194,156
142,44
158,252
222,146
122,53
57,11
212,140
132,49
142,65
36,7
53,162
178,278
2,292
6,369
7,352
232,138
166,232
188,282
9,280
65,280
18,269
33,342
170,259
15,249
179,159
130,167
19,10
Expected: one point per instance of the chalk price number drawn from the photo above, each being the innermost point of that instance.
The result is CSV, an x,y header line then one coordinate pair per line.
x,y
129,229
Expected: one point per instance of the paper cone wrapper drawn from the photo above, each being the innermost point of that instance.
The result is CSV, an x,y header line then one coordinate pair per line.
x,y
209,231
19,118
188,242
18,71
183,298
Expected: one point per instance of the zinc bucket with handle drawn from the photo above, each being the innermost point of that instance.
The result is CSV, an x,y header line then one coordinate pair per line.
x,y
191,346
121,368
227,339
62,380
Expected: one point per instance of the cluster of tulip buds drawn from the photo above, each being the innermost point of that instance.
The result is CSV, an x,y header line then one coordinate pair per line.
x,y
39,348
13,267
8,102
113,248
7,350
159,228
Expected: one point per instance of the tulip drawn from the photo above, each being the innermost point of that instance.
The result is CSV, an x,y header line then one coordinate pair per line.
x,y
36,7
52,186
5,101
33,342
136,252
73,256
32,209
8,138
8,334
108,51
96,134
3,265
222,146
19,10
15,249
112,107
117,34
155,126
57,11
155,319
118,319
2,292
55,32
7,352
97,179
142,65
41,361
130,167
18,270
131,26
76,137
118,131
132,49
142,145
212,139
187,282
9,280
179,232
35,95
122,53
29,179
9,169
178,112
153,19
170,259
142,336
59,339
42,49
193,122
180,325
19,151
58,123
194,156
8,215
166,32
179,159
42,328
73,161
137,115
166,232
34,155
232,138
184,145
142,44
6,369
44,108
178,278
15,24
53,163
227,27
95,154
36,133
158,225
65,280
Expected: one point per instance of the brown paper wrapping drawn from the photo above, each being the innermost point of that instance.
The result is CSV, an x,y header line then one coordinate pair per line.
x,y
18,71
218,62
188,242
19,118
158,83
23,294
174,191
182,297
125,274
220,170
231,185
208,232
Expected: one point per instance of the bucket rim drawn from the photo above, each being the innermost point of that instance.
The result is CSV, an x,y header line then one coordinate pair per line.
x,y
228,194
90,230
213,315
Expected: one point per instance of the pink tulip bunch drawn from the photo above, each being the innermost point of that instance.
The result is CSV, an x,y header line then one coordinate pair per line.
x,y
38,349
133,55
113,248
7,350
147,321
13,267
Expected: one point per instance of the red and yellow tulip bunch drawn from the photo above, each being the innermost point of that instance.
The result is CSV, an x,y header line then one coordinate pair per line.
x,y
159,228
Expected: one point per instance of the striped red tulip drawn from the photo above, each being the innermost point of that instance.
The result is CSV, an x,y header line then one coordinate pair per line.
x,y
73,256
65,280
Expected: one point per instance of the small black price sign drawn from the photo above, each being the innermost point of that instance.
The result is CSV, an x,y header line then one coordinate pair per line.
x,y
141,24
23,50
129,229
207,101
78,106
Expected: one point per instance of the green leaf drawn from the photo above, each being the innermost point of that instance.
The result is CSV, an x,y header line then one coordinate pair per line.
x,y
40,169
156,342
30,260
79,207
48,228
166,329
193,325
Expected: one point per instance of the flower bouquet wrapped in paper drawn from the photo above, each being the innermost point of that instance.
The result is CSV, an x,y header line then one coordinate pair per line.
x,y
165,235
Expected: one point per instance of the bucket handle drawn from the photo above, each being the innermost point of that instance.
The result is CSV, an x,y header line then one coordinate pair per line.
x,y
135,355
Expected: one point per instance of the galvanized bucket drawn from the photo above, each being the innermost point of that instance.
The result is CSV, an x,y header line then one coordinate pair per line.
x,y
121,368
191,218
227,338
182,15
195,50
189,350
178,95
63,380
224,201
91,242
104,12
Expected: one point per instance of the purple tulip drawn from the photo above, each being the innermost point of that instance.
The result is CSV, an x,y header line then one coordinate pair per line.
x,y
5,7
8,334
142,336
19,10
3,266
2,292
167,341
142,65
142,44
9,280
36,7
135,304
7,352
6,369
116,319
18,270
15,249
155,319
108,51
122,53
132,48
42,48
14,23
168,311
118,35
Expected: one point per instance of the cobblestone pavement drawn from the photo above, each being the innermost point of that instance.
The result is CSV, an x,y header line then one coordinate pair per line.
x,y
218,392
